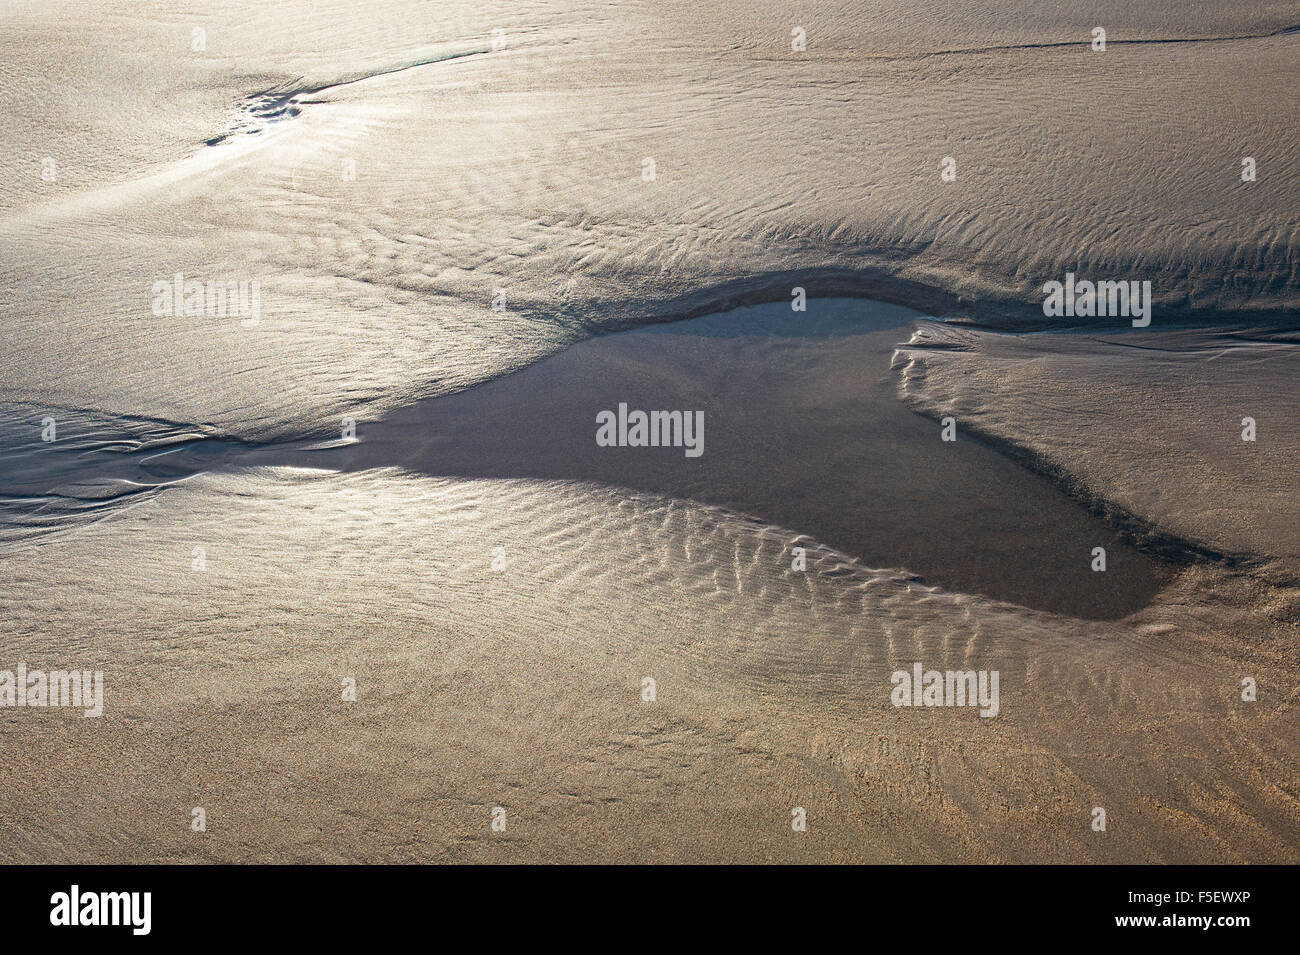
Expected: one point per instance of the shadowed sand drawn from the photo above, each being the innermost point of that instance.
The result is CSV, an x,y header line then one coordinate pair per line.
x,y
803,430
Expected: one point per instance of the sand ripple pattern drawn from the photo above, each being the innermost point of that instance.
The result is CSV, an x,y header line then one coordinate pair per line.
x,y
522,685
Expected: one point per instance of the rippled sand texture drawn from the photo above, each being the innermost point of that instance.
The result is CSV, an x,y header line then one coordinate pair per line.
x,y
387,177
521,689
522,170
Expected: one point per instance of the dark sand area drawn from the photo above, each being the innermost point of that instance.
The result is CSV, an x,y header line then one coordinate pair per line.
x,y
803,430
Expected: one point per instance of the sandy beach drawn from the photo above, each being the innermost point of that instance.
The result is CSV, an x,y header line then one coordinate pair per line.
x,y
367,582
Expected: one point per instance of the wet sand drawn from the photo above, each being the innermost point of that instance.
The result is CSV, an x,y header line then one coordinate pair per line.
x,y
804,431
387,174
519,686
